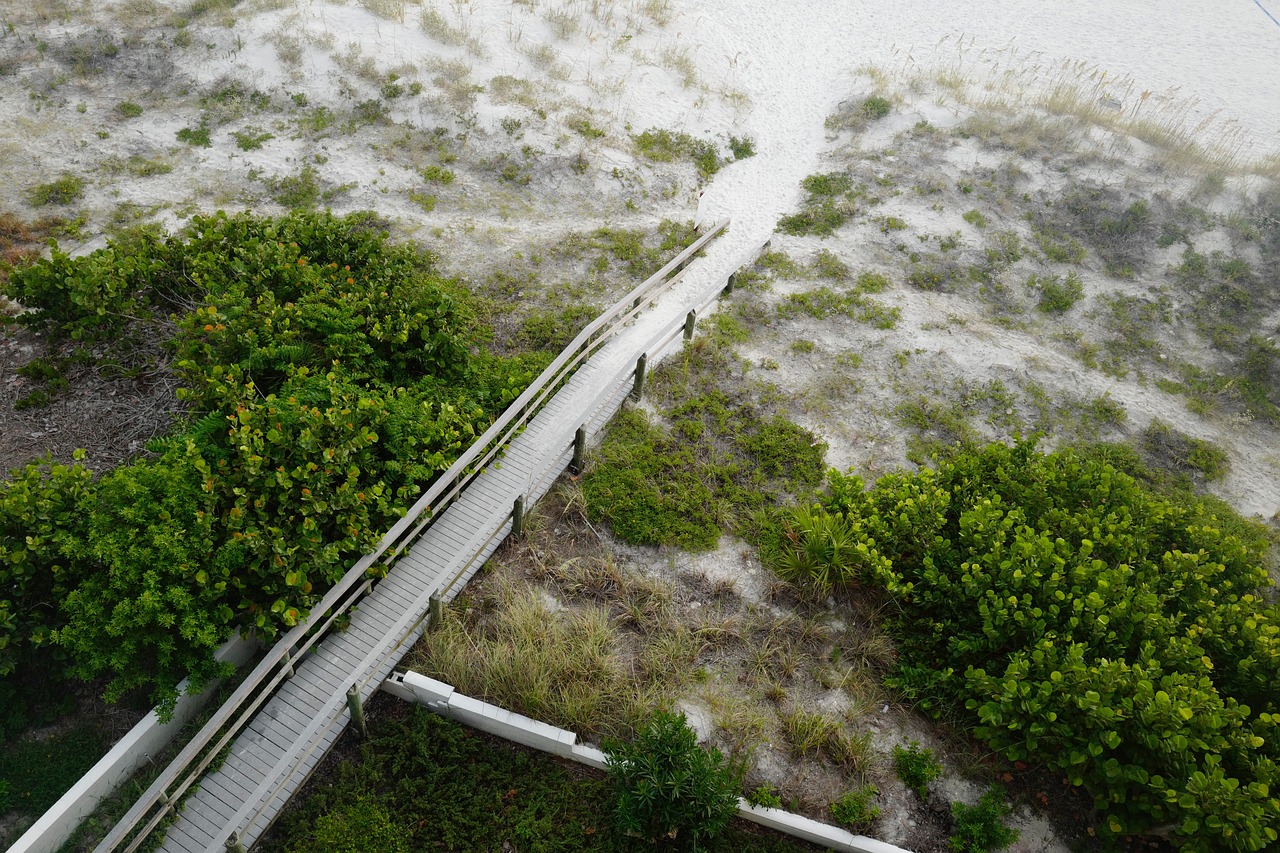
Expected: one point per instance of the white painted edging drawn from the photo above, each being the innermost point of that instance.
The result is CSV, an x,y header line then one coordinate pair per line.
x,y
444,700
132,751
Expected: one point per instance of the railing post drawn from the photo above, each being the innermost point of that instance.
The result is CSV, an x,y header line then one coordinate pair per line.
x,y
689,320
233,844
579,450
728,286
637,391
288,664
357,710
435,611
517,516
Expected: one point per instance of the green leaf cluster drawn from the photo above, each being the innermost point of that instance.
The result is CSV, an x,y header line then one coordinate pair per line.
x,y
330,377
668,787
980,828
1127,639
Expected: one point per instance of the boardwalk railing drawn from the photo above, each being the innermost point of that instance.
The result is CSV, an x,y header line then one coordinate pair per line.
x,y
160,799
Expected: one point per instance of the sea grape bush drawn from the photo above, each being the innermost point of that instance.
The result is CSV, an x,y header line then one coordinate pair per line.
x,y
1126,639
38,510
330,377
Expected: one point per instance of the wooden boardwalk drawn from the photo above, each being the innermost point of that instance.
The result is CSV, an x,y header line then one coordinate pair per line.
x,y
294,729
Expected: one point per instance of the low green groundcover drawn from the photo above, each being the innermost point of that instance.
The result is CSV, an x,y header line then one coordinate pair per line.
x,y
423,782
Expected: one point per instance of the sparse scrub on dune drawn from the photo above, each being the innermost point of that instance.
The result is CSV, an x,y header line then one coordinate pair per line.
x,y
854,116
666,146
62,191
1120,230
831,199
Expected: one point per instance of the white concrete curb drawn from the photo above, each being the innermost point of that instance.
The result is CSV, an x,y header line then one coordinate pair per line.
x,y
132,751
444,700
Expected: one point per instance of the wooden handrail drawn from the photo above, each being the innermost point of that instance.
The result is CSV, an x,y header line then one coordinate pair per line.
x,y
178,777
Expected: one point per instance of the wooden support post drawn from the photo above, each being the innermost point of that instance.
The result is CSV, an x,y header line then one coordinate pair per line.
x,y
435,611
637,391
728,287
233,844
357,710
579,450
689,320
288,665
517,516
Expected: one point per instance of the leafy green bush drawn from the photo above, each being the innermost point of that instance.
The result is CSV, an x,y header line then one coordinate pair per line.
x,y
875,107
980,828
856,808
916,767
334,377
39,511
765,797
669,787
742,148
251,138
1124,639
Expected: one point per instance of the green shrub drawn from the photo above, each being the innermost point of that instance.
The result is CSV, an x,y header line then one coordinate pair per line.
x,y
1058,247
128,109
830,201
856,808
765,797
980,828
975,218
39,512
335,377
198,136
665,146
875,107
670,788
916,767
742,148
251,138
1056,294
1125,640
64,190
363,826
438,174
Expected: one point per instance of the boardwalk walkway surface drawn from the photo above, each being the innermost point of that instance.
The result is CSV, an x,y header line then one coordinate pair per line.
x,y
295,727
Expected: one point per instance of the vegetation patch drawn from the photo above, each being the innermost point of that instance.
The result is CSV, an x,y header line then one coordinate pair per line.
x,y
717,458
1126,640
332,377
63,191
666,146
422,781
831,199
